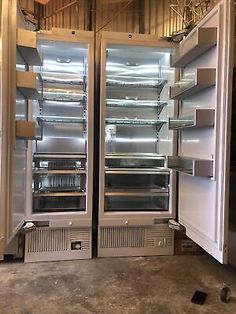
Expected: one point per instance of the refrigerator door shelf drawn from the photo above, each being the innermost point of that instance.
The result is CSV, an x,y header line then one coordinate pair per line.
x,y
29,84
198,42
27,46
192,166
198,118
188,86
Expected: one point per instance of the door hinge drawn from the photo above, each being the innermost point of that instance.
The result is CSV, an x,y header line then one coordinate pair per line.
x,y
175,225
225,248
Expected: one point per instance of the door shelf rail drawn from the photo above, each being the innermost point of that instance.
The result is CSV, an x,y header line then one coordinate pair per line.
x,y
198,118
194,45
192,166
186,87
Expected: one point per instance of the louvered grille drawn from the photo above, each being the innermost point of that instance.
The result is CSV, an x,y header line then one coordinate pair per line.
x,y
55,240
135,237
120,237
48,240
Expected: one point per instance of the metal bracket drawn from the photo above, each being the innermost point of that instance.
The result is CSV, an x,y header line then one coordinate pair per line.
x,y
175,225
28,227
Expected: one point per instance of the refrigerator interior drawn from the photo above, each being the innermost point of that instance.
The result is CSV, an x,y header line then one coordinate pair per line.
x,y
136,134
60,152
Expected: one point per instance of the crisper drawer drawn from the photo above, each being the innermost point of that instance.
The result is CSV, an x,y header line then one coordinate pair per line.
x,y
136,202
127,181
59,182
57,203
60,162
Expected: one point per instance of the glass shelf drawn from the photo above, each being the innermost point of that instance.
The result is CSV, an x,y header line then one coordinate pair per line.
x,y
159,123
64,78
27,46
60,94
198,118
192,166
119,80
192,84
135,103
58,119
195,44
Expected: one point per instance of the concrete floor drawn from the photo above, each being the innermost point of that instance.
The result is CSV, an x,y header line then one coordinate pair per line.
x,y
151,285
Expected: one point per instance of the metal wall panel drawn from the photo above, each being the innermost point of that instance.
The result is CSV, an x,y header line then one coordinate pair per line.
x,y
137,16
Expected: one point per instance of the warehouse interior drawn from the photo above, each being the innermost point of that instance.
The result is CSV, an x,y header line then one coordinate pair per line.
x,y
117,160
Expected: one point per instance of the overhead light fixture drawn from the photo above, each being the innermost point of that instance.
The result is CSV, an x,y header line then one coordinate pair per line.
x,y
63,60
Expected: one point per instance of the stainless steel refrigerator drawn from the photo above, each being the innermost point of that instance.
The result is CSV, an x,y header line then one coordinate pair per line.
x,y
165,139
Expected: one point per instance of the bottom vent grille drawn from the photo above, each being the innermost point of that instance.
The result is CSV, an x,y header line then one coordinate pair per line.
x,y
136,237
57,244
118,237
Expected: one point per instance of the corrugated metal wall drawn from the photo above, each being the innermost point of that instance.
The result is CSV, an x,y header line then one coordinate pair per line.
x,y
139,16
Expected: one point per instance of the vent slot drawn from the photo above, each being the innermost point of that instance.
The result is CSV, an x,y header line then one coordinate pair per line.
x,y
135,237
48,240
122,237
56,240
